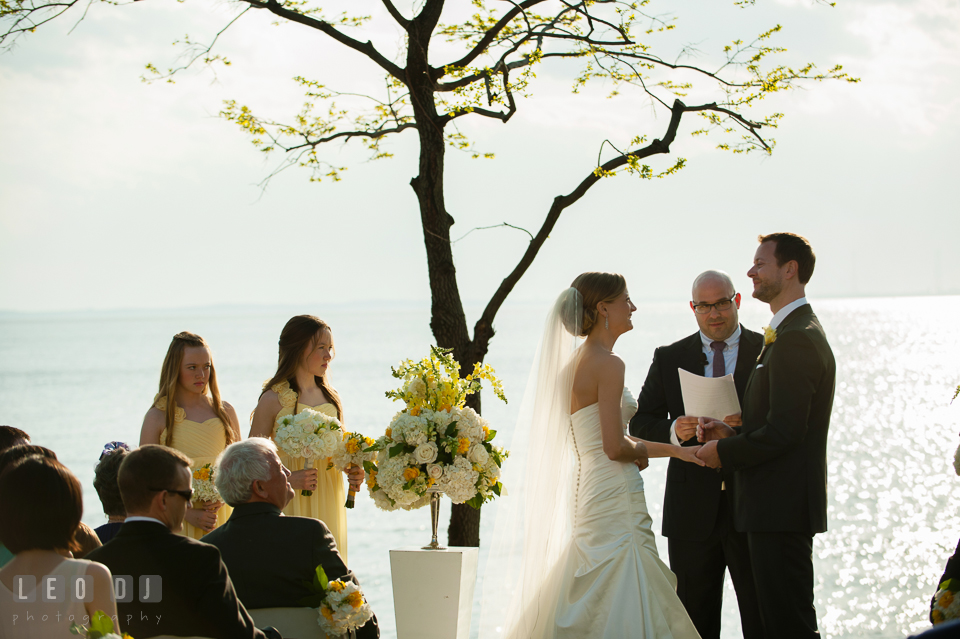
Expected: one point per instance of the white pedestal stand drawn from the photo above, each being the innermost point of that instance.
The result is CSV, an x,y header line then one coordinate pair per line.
x,y
433,591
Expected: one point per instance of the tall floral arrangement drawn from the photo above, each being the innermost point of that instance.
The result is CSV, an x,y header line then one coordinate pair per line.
x,y
436,443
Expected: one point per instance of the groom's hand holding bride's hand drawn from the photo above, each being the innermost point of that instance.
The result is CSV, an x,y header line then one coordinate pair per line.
x,y
709,431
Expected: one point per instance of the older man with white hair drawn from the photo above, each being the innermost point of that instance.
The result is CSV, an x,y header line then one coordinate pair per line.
x,y
270,557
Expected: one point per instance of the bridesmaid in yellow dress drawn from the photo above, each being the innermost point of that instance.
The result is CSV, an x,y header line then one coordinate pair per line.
x,y
306,349
188,414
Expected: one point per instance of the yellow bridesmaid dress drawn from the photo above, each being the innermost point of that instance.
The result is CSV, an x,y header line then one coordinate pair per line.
x,y
327,501
202,443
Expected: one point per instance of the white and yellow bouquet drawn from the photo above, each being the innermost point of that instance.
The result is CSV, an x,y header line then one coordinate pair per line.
x,y
309,434
354,450
341,604
437,443
204,488
946,603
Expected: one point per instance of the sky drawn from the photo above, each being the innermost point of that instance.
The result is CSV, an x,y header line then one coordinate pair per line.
x,y
117,194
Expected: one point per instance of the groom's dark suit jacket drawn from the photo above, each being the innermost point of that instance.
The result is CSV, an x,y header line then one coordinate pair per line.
x,y
780,454
197,596
270,557
693,492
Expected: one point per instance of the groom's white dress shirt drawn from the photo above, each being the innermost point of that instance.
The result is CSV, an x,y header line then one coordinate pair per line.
x,y
781,315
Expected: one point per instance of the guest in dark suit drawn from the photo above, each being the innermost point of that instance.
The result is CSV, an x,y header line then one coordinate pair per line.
x,y
195,596
697,515
271,556
780,453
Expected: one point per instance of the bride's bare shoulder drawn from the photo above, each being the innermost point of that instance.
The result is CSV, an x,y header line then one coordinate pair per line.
x,y
600,363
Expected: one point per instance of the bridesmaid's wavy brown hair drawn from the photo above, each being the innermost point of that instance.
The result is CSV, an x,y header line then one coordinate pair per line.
x,y
170,374
595,288
300,335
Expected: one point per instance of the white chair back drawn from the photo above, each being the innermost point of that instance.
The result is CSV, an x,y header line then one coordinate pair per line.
x,y
293,623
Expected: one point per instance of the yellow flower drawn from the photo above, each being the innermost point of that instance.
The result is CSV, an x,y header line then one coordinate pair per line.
x,y
355,599
486,433
352,446
945,600
411,473
204,473
372,480
937,617
414,411
196,474
346,435
337,585
463,446
390,433
769,335
430,481
368,442
326,612
445,407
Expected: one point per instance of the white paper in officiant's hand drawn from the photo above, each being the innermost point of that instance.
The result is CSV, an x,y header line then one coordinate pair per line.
x,y
708,396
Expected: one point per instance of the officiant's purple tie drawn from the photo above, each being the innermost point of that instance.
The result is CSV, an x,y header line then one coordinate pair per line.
x,y
719,368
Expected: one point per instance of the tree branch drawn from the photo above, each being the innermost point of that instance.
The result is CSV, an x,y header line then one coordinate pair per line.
x,y
348,135
403,22
483,330
16,30
366,48
203,51
492,33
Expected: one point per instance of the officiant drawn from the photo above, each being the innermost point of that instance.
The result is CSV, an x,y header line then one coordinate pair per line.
x,y
697,514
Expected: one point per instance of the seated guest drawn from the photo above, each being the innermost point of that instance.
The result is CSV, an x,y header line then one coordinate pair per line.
x,y
105,482
270,556
10,437
36,535
196,597
85,537
13,453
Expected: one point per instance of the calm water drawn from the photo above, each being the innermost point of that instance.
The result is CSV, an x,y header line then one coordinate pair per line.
x,y
77,381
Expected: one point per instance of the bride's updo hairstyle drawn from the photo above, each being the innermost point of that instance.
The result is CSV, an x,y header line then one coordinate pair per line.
x,y
299,334
595,288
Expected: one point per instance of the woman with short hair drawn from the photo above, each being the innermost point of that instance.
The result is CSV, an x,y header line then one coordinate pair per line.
x,y
35,536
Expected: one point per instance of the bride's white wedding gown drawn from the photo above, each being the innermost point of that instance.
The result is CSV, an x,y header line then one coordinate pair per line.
x,y
614,583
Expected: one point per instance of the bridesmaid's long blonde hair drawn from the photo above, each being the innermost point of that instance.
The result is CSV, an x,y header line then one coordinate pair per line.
x,y
170,374
298,334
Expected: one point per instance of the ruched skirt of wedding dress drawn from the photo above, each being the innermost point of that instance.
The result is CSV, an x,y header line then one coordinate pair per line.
x,y
614,584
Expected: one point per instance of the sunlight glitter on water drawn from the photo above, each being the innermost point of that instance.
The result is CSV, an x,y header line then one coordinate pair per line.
x,y
77,381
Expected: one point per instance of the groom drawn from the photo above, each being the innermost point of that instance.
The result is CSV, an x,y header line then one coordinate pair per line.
x,y
780,453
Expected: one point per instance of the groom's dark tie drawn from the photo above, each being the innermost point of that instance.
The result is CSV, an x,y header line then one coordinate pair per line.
x,y
719,369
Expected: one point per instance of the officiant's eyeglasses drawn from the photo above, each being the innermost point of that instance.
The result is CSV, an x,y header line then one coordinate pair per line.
x,y
186,494
722,305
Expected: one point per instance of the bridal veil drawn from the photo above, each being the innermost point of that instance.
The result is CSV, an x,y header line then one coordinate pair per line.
x,y
533,529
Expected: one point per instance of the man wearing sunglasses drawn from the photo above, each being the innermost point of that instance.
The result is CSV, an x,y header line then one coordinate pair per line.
x,y
697,513
175,585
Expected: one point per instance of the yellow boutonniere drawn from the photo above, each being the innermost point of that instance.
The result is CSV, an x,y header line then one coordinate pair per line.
x,y
769,335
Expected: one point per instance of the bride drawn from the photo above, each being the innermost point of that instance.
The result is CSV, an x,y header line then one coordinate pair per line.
x,y
574,555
